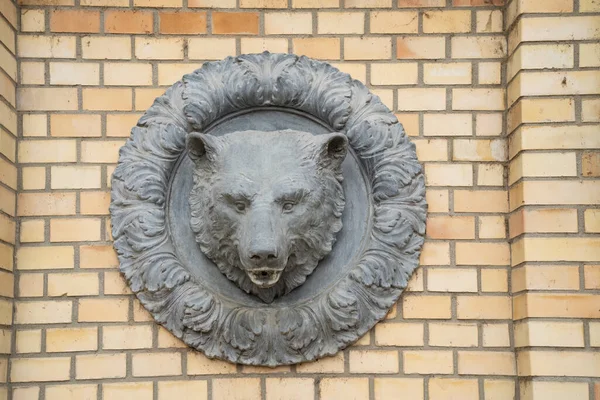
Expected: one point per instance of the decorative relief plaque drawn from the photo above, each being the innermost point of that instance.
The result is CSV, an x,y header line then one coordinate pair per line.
x,y
268,209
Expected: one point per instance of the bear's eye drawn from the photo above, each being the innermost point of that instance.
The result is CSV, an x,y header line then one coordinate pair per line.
x,y
240,206
287,206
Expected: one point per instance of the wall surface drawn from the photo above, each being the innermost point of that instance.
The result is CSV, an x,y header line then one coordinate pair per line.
x,y
8,180
89,68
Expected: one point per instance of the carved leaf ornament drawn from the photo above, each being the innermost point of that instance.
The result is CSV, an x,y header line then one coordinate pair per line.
x,y
268,335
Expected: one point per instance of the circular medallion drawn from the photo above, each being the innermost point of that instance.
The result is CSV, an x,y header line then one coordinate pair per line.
x,y
368,262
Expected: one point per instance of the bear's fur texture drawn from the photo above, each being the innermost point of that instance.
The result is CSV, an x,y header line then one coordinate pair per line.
x,y
265,206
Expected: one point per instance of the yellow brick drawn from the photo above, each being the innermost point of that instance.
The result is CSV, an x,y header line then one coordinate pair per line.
x,y
27,393
43,312
289,388
428,362
430,307
590,111
494,280
478,99
31,285
167,340
47,99
437,200
55,46
94,203
74,229
589,53
449,174
32,231
592,276
421,99
47,151
159,48
373,361
540,56
71,339
344,388
118,391
320,48
592,221
550,6
169,74
486,363
489,21
103,310
546,277
531,390
127,74
75,125
555,306
102,99
548,334
106,47
394,73
472,47
479,150
399,334
106,151
496,335
480,201
35,125
114,283
547,220
45,257
340,22
557,28
100,366
333,364
33,21
98,257
258,45
488,124
491,227
144,98
394,22
451,280
432,150
447,73
482,253
388,388
168,390
453,335
367,48
157,364
210,48
455,21
121,124
127,337
79,177
68,73
236,389
483,307
40,369
545,137
447,124
368,3
73,284
556,249
199,364
32,73
28,341
555,83
288,23
411,47
263,3
554,363
435,253
449,389
490,73
315,3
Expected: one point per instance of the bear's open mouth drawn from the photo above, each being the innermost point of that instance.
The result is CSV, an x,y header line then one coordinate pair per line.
x,y
264,277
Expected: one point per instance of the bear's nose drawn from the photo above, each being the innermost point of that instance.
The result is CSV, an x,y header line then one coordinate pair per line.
x,y
261,255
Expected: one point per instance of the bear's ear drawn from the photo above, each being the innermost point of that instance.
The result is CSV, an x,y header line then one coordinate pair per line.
x,y
200,145
333,148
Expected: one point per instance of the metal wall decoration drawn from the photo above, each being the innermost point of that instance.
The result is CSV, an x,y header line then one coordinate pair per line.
x,y
268,209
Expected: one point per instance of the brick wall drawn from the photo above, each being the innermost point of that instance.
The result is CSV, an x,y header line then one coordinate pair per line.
x,y
89,68
8,180
554,179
